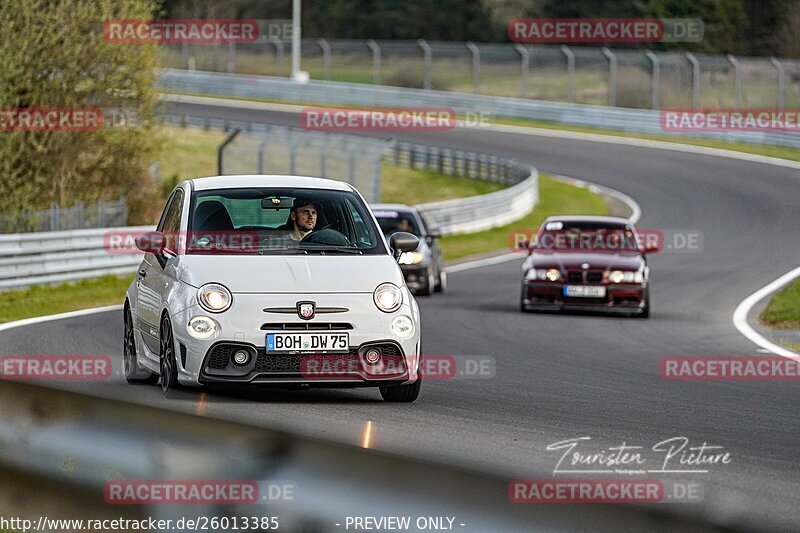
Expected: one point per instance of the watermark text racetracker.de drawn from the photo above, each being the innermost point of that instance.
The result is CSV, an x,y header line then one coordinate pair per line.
x,y
667,240
384,119
44,524
747,368
593,491
731,120
55,367
604,30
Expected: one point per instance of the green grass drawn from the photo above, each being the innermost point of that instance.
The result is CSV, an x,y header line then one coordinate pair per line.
x,y
783,310
72,296
556,198
409,186
188,153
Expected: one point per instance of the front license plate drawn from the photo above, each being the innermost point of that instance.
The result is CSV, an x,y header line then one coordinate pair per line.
x,y
584,291
308,342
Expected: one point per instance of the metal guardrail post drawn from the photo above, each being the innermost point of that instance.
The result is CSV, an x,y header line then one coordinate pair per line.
x,y
427,57
278,44
326,58
476,66
232,57
612,77
185,55
570,72
695,79
525,66
655,79
376,61
781,82
293,156
261,149
737,73
221,149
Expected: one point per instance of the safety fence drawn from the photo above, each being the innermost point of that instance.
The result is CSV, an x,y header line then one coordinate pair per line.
x,y
575,74
379,96
99,214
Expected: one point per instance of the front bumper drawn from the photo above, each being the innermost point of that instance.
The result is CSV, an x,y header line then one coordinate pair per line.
x,y
252,316
416,276
623,298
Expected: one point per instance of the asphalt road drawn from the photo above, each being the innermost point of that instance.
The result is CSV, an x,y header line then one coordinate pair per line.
x,y
560,377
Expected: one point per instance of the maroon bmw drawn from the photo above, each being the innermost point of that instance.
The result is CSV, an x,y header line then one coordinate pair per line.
x,y
587,263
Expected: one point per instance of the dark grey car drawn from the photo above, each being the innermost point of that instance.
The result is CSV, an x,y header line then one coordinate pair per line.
x,y
424,267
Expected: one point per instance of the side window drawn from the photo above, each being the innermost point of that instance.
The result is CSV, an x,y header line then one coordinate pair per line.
x,y
171,221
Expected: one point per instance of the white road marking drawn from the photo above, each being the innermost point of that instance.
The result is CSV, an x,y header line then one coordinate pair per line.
x,y
740,316
60,316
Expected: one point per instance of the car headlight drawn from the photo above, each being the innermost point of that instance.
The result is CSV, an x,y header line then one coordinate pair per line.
x,y
214,297
388,297
410,258
202,327
552,274
629,276
402,326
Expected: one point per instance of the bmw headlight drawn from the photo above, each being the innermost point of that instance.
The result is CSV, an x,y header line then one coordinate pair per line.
x,y
402,326
388,297
410,258
552,274
629,276
202,327
214,297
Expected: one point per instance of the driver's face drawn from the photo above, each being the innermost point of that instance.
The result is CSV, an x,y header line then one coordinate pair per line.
x,y
305,217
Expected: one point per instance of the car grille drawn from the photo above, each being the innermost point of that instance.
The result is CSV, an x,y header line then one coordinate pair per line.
x,y
306,326
594,277
292,364
575,276
220,355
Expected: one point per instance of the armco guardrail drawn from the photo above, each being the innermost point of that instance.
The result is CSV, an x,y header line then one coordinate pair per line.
x,y
340,93
60,449
54,256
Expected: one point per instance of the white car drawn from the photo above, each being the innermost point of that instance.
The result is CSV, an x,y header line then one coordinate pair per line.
x,y
280,281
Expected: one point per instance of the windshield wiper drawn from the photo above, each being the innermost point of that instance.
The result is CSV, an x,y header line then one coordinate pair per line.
x,y
342,249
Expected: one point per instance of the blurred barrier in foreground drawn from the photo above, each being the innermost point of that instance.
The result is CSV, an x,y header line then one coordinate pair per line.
x,y
357,94
58,448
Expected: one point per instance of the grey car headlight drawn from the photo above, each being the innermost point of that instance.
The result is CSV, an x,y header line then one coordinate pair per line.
x,y
388,297
214,297
202,327
411,258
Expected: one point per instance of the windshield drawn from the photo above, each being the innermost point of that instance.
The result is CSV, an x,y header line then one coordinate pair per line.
x,y
271,220
586,237
394,221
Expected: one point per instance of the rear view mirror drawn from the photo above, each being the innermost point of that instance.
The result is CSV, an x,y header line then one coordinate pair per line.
x,y
152,242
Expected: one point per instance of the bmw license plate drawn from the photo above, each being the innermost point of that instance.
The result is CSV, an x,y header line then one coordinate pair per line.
x,y
308,342
584,291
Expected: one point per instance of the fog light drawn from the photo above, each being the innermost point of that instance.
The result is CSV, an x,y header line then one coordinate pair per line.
x,y
402,326
202,327
373,356
241,357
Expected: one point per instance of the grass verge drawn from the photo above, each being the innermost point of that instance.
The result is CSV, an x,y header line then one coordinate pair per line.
x,y
65,297
556,198
783,310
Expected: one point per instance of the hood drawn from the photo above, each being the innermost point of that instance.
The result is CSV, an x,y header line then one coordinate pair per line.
x,y
290,274
575,260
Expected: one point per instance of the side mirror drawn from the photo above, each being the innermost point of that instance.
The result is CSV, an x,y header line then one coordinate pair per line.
x,y
434,233
651,247
153,242
402,241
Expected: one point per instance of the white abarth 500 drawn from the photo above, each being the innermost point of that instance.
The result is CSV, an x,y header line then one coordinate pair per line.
x,y
280,281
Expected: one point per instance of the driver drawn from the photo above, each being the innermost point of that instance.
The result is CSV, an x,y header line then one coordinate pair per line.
x,y
303,217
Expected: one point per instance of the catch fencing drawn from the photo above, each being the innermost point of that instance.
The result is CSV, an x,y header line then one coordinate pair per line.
x,y
630,78
99,214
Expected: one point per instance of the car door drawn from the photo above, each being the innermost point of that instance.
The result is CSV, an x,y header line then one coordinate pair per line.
x,y
151,279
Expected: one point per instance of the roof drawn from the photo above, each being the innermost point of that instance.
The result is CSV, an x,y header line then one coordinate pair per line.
x,y
589,218
391,207
266,180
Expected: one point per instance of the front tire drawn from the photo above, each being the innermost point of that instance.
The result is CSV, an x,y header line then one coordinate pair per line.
x,y
402,393
134,374
442,285
646,309
167,363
